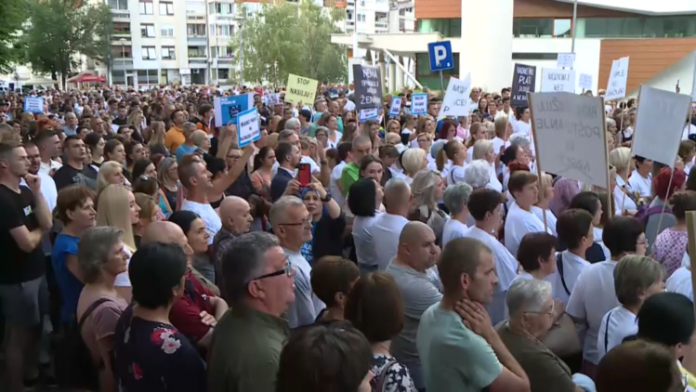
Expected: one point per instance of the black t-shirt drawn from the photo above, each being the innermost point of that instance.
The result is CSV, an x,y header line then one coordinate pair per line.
x,y
119,121
68,175
328,237
18,210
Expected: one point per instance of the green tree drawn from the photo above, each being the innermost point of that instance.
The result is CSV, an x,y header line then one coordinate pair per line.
x,y
59,30
12,14
290,38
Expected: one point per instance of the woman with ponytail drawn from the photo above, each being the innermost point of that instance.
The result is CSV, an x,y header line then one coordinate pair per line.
x,y
456,152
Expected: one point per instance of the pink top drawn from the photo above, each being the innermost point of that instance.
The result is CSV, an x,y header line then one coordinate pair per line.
x,y
101,323
461,132
669,249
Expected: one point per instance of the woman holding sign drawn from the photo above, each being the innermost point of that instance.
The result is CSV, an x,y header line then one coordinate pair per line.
x,y
625,200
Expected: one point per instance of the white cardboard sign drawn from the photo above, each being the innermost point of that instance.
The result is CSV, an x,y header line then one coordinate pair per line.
x,y
565,60
659,124
248,129
555,80
419,104
395,107
585,81
570,137
616,89
456,102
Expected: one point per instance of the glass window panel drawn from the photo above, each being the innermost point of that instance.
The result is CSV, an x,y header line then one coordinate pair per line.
x,y
561,28
533,28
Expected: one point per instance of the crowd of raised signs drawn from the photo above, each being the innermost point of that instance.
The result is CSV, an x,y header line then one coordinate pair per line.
x,y
144,251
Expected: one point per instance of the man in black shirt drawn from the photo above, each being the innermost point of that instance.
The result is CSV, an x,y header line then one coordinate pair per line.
x,y
74,171
122,118
23,218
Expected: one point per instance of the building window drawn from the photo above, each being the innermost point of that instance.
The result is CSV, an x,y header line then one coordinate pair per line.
x,y
222,30
196,51
168,53
147,30
166,8
122,28
167,31
195,30
145,7
149,53
122,52
118,4
561,28
223,73
223,8
533,28
446,27
361,17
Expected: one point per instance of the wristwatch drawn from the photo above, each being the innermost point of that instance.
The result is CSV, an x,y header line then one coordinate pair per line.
x,y
326,198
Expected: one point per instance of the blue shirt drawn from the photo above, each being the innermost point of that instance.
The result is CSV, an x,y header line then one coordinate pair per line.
x,y
184,150
70,287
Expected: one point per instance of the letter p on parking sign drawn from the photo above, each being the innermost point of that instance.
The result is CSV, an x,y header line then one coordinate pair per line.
x,y
440,56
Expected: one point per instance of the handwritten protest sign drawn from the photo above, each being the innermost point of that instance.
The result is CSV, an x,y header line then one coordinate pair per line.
x,y
570,137
227,108
456,102
523,81
419,104
301,89
368,86
659,124
248,129
616,89
34,105
368,114
272,99
585,81
554,80
395,107
565,60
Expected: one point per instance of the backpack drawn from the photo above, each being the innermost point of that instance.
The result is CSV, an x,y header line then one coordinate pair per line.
x,y
73,361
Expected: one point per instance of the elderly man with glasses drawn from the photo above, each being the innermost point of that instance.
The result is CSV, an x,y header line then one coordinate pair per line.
x,y
248,339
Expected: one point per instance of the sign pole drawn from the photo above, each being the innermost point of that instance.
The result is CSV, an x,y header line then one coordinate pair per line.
x,y
442,82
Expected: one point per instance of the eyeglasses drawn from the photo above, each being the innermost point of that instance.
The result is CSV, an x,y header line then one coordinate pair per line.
x,y
306,222
285,271
549,313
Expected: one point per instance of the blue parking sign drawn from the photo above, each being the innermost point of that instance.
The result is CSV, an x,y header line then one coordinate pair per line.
x,y
440,56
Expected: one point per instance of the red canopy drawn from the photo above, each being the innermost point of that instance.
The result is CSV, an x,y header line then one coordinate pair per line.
x,y
87,78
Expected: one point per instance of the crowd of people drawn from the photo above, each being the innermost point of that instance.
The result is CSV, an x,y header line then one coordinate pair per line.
x,y
146,251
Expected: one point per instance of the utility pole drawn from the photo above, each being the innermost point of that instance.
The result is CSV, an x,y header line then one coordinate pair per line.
x,y
209,57
572,28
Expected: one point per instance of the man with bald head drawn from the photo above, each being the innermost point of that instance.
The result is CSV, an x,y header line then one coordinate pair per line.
x,y
417,279
235,214
197,311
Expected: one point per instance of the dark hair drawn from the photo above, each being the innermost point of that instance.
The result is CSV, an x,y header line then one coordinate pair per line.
x,y
335,357
534,246
572,226
205,108
621,234
283,151
681,203
139,167
332,275
154,270
70,198
214,164
519,179
129,147
110,146
171,116
482,201
588,201
332,153
362,197
510,154
375,307
260,156
344,148
666,318
183,219
70,138
145,184
306,114
365,162
459,256
43,135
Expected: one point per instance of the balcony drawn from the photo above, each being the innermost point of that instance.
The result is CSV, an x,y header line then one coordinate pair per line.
x,y
196,40
225,60
122,63
120,15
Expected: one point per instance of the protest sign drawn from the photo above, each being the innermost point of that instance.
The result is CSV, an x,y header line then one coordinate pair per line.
x,y
569,136
456,102
419,104
585,81
368,114
227,108
368,86
565,60
272,99
554,80
659,124
248,128
395,107
301,89
34,105
616,89
523,81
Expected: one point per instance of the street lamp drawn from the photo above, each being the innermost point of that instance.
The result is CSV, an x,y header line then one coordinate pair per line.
x,y
123,58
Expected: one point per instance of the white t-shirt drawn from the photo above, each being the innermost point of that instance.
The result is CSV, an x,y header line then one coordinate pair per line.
x,y
619,198
617,324
47,167
386,230
333,183
455,175
680,282
523,128
364,240
550,218
573,265
470,154
689,129
518,223
453,229
592,297
316,169
331,144
493,182
205,211
640,184
304,310
122,279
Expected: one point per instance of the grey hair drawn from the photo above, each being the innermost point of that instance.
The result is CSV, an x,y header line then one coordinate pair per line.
x,y
292,124
610,121
423,189
481,148
456,196
527,295
477,174
394,190
93,253
243,261
279,208
189,126
285,134
325,129
520,140
360,140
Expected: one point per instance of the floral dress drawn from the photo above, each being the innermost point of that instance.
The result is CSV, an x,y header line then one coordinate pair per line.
x,y
398,379
151,357
669,249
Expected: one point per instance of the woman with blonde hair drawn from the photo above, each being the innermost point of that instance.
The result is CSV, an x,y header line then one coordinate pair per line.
x,y
424,126
427,189
113,202
147,215
110,172
135,121
625,200
545,195
200,139
408,131
455,152
393,126
156,141
413,160
484,150
168,178
477,132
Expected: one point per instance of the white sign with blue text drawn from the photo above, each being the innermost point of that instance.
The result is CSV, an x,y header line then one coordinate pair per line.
x,y
440,56
368,114
553,80
227,109
565,60
618,77
248,128
395,107
34,105
419,104
456,102
585,81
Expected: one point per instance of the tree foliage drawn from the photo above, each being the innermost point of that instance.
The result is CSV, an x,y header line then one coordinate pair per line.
x,y
59,30
12,14
290,38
